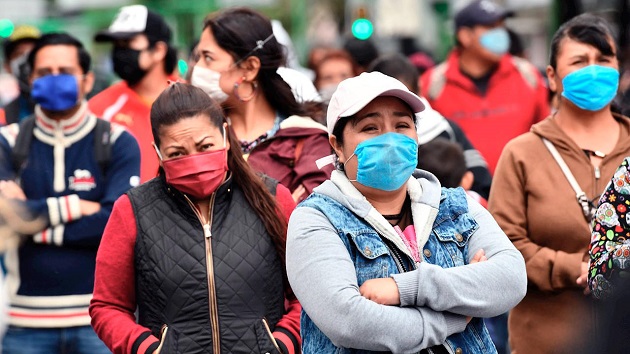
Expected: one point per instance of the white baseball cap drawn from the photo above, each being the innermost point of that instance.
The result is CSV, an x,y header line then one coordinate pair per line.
x,y
355,93
136,19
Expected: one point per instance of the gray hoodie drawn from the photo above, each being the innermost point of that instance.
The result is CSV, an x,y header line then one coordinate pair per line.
x,y
435,301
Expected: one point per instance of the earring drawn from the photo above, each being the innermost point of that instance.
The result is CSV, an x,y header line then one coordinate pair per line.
x,y
237,85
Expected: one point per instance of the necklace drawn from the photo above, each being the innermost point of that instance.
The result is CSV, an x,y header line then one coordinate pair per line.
x,y
396,219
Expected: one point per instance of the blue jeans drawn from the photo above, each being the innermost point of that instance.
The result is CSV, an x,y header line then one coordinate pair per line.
x,y
497,326
71,340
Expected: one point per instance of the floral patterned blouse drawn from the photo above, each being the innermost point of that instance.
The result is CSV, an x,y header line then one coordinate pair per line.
x,y
610,238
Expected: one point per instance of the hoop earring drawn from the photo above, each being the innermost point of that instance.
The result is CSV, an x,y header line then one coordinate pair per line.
x,y
238,83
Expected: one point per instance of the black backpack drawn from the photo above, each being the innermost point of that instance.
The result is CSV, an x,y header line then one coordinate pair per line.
x,y
102,144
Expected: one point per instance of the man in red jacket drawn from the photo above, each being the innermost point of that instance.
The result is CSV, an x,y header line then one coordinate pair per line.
x,y
144,59
492,95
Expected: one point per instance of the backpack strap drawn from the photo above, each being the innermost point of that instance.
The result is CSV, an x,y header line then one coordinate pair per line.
x,y
581,197
437,81
527,71
270,183
102,144
23,144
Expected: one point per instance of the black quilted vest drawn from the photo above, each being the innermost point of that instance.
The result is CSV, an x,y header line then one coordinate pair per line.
x,y
171,273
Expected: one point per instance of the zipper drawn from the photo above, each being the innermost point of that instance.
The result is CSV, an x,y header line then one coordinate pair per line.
x,y
271,337
212,291
448,347
396,255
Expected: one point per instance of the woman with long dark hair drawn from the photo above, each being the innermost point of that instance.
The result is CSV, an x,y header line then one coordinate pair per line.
x,y
199,250
239,59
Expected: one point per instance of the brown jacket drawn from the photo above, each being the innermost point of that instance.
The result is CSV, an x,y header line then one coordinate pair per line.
x,y
535,205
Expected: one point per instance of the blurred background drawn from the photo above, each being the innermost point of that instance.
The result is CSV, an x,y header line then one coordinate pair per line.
x,y
407,26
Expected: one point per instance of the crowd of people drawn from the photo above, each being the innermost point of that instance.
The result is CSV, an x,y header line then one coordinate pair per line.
x,y
387,204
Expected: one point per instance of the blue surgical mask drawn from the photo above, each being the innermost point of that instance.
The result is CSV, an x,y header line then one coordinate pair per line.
x,y
496,41
56,92
387,161
591,88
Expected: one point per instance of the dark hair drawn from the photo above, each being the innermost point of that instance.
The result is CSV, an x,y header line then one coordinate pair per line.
x,y
10,46
363,51
445,159
336,54
516,43
238,31
60,38
180,101
399,67
586,28
170,59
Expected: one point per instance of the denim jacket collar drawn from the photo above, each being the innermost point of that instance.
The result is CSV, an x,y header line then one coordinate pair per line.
x,y
424,205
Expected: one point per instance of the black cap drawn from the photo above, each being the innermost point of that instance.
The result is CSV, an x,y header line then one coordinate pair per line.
x,y
481,12
133,20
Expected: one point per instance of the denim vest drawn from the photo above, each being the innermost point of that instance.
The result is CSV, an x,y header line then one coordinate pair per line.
x,y
447,247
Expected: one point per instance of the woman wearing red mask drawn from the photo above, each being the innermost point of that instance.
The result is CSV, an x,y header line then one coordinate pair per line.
x,y
199,250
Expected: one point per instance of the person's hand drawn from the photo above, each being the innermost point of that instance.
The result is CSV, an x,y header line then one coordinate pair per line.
x,y
11,190
298,192
383,291
162,339
89,207
582,280
480,256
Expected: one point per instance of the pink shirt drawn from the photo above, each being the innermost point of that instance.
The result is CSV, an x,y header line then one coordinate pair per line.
x,y
409,239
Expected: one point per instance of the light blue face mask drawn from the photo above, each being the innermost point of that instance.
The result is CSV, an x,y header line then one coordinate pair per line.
x,y
591,88
386,162
496,41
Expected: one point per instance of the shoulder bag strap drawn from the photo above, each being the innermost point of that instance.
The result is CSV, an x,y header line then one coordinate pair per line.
x,y
579,193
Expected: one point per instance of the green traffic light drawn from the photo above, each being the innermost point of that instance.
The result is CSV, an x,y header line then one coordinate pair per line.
x,y
362,28
6,28
182,65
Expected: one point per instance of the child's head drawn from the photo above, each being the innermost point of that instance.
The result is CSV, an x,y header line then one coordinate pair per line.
x,y
445,159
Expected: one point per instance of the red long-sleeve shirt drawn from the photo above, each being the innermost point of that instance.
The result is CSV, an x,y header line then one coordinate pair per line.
x,y
114,302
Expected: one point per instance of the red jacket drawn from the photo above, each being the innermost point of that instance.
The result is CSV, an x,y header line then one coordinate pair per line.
x,y
289,156
516,98
114,300
120,104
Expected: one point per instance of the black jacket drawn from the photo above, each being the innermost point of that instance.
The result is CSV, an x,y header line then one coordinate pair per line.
x,y
173,278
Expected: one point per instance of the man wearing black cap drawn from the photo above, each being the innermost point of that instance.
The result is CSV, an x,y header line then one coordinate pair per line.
x,y
16,49
483,88
144,59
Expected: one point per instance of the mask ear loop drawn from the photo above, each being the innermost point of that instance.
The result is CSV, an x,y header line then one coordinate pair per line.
x,y
224,136
344,167
157,151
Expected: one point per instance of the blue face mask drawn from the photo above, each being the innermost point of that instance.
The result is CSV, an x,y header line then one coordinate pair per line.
x,y
56,92
387,161
496,41
591,88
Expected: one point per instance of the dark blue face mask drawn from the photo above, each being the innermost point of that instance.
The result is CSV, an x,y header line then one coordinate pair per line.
x,y
56,92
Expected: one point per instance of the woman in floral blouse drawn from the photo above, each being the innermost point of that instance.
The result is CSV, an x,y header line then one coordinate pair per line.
x,y
610,240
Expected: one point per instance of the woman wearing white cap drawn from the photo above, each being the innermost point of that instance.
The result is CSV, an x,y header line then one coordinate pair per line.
x,y
383,259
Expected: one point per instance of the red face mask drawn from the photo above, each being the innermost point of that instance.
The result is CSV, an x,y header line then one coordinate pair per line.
x,y
197,175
